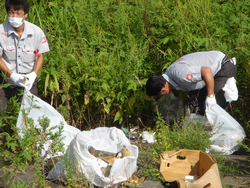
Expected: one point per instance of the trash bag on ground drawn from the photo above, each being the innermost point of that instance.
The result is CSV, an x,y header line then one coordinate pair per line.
x,y
38,108
104,155
225,130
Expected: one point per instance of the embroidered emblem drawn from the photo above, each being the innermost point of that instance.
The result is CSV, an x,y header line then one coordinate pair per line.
x,y
189,76
5,34
44,40
180,59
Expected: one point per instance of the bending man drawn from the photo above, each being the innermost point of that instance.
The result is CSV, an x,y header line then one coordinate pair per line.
x,y
201,74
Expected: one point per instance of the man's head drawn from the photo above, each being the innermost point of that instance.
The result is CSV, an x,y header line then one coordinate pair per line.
x,y
17,5
17,11
157,86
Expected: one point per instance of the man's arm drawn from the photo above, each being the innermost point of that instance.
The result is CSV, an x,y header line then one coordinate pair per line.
x,y
38,63
4,68
208,77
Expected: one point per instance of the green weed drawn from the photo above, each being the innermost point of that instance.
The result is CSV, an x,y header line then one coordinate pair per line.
x,y
225,166
20,185
24,147
184,134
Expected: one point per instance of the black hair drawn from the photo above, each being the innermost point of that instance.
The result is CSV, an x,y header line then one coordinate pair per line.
x,y
154,85
17,4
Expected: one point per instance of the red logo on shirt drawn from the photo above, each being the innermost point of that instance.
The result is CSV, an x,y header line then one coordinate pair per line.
x,y
44,40
5,34
189,76
180,59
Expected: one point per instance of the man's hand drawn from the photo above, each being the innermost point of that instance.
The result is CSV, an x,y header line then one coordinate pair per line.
x,y
210,101
17,78
30,80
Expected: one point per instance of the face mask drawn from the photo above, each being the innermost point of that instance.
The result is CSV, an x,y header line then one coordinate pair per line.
x,y
15,22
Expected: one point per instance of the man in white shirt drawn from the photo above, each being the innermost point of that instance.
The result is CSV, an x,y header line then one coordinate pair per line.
x,y
22,45
201,74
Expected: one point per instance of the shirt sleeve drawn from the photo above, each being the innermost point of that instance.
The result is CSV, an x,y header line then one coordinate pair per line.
x,y
190,74
43,44
1,50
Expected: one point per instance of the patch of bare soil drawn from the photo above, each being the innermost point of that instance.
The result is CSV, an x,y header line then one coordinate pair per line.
x,y
239,179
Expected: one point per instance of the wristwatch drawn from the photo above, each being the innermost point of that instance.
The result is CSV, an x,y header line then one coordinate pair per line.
x,y
211,96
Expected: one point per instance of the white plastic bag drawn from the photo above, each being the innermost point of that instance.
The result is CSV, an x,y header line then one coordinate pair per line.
x,y
231,91
227,131
104,139
147,137
46,110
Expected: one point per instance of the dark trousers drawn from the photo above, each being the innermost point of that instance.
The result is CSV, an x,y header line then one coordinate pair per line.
x,y
196,98
11,91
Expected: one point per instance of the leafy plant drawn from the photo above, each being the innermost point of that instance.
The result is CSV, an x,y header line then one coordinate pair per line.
x,y
20,185
184,134
26,146
225,166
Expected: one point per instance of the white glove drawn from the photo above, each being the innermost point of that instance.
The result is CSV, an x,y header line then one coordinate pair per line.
x,y
173,97
210,101
30,80
17,79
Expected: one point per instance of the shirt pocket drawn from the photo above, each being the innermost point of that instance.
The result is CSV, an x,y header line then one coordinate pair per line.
x,y
29,55
9,53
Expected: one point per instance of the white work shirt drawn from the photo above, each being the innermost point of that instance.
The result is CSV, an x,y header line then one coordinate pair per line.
x,y
20,54
185,73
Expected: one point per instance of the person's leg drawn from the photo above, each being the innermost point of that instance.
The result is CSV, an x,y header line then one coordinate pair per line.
x,y
196,101
228,70
6,94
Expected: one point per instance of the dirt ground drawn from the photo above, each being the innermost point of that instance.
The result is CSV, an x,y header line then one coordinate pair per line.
x,y
239,179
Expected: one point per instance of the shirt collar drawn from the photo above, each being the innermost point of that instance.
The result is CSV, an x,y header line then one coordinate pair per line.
x,y
169,80
26,30
10,29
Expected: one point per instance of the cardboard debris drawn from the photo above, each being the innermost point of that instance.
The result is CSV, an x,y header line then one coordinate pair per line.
x,y
109,159
134,181
190,168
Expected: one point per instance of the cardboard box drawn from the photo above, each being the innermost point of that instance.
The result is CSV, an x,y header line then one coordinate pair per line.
x,y
190,168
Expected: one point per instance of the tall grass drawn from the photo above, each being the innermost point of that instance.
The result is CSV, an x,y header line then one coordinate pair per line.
x,y
102,52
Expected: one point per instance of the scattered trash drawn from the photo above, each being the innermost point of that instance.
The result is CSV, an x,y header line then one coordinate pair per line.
x,y
134,128
147,137
132,134
125,152
134,181
125,130
104,155
190,168
191,178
